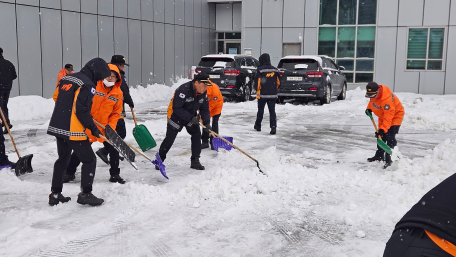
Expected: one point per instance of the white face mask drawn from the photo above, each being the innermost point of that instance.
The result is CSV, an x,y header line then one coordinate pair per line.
x,y
108,84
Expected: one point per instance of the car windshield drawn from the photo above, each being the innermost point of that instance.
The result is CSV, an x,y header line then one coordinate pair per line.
x,y
294,64
210,62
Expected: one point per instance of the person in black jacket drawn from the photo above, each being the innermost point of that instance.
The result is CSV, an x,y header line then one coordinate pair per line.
x,y
182,112
7,75
266,84
119,61
429,227
70,119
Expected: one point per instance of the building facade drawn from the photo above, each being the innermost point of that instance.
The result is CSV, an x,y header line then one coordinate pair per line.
x,y
404,44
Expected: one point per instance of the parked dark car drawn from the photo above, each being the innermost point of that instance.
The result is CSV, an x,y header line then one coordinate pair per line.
x,y
314,77
234,74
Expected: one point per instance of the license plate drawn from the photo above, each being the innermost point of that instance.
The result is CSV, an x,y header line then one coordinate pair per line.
x,y
214,76
294,78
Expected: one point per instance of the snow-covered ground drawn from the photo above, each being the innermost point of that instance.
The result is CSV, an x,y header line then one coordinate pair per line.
x,y
320,197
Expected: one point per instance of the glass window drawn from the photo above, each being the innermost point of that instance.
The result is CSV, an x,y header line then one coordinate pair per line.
x,y
349,77
436,43
211,61
365,65
364,77
425,48
327,41
241,62
232,35
328,12
367,12
221,35
346,42
290,64
257,63
348,64
220,47
366,42
416,65
250,63
417,43
347,12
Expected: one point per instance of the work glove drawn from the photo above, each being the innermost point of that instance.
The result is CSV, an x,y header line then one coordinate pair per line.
x,y
132,105
95,131
207,128
195,120
369,111
380,133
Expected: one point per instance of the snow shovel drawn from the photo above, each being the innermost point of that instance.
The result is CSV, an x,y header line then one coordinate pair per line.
x,y
380,142
219,143
24,164
117,142
228,142
142,135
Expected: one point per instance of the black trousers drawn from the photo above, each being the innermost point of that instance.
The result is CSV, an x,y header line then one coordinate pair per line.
x,y
82,150
171,134
4,98
113,161
3,156
412,243
389,138
215,128
271,102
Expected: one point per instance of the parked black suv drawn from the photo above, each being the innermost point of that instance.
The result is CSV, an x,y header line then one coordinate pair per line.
x,y
234,74
312,77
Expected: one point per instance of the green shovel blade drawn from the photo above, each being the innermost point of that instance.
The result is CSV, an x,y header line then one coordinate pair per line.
x,y
384,146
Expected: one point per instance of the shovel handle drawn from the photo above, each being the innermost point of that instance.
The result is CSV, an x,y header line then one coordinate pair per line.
x,y
133,114
9,132
375,126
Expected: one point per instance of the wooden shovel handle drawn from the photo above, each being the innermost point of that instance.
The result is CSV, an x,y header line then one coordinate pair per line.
x,y
133,113
9,132
375,126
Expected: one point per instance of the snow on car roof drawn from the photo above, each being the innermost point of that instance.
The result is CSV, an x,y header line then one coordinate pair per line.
x,y
221,56
314,57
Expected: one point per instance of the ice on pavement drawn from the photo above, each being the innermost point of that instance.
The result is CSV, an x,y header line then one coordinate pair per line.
x,y
319,198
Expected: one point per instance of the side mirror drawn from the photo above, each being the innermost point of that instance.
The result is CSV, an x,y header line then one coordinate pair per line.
x,y
341,68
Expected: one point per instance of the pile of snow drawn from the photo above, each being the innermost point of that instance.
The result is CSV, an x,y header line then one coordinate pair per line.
x,y
155,92
30,107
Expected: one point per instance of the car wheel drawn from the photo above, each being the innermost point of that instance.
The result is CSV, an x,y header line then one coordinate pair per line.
x,y
327,98
343,94
246,95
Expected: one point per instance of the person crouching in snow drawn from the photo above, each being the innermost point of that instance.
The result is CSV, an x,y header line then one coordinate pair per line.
x,y
215,99
182,112
106,108
390,113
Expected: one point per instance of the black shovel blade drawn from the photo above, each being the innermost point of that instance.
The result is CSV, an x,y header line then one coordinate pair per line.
x,y
24,165
118,143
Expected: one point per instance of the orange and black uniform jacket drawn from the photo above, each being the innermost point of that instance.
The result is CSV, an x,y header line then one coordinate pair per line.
x,y
215,98
388,109
267,80
72,109
107,105
185,104
62,73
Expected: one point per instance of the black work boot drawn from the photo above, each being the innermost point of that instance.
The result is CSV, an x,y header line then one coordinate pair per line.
x,y
377,157
195,164
89,198
56,198
8,163
103,155
117,179
204,145
68,178
273,131
388,161
257,128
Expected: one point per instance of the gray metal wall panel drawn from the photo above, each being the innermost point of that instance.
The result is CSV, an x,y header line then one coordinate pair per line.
x,y
293,13
121,41
89,6
206,15
147,51
293,35
212,12
188,50
105,7
179,17
89,37
386,56
8,40
197,40
311,16
134,9
188,12
147,10
272,14
205,41
197,20
70,30
51,41
159,10
121,8
237,17
49,3
179,46
432,82
404,81
251,13
169,54
387,12
9,1
252,39
411,12
224,17
453,13
212,47
436,12
310,41
169,11
29,2
28,25
71,5
159,53
105,37
450,86
272,44
134,52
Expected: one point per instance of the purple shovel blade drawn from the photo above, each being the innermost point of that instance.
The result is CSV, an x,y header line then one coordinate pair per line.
x,y
158,163
219,143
